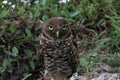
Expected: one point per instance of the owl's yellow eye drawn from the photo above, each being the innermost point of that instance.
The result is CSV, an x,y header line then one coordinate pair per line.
x,y
64,28
50,28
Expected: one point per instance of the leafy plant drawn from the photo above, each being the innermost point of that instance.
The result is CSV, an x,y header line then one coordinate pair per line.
x,y
114,60
20,30
25,76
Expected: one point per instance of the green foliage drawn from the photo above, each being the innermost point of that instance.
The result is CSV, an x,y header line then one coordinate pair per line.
x,y
88,63
25,76
13,53
20,29
19,38
115,32
3,14
6,63
114,60
12,28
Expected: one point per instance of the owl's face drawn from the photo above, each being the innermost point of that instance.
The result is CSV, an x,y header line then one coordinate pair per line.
x,y
56,29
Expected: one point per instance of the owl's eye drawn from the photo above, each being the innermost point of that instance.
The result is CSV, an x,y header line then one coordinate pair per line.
x,y
64,27
50,28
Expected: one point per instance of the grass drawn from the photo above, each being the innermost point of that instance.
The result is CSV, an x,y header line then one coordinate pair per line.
x,y
20,29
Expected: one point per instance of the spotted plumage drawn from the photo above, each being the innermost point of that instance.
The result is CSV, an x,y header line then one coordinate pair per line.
x,y
58,51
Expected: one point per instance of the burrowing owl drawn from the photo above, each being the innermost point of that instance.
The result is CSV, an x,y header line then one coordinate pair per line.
x,y
58,49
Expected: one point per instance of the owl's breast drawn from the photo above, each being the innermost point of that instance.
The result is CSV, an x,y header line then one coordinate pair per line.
x,y
55,56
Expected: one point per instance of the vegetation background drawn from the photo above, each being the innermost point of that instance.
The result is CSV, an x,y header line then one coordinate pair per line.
x,y
20,26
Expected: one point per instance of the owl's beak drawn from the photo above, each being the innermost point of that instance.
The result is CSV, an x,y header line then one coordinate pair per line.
x,y
57,34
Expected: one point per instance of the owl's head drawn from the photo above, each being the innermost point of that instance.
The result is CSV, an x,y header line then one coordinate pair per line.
x,y
56,29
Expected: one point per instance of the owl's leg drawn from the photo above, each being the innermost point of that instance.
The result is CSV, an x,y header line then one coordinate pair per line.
x,y
47,76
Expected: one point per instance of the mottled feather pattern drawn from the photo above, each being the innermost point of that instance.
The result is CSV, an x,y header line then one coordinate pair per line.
x,y
55,54
59,55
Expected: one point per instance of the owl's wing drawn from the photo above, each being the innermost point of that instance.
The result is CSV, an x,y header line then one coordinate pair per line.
x,y
41,58
73,56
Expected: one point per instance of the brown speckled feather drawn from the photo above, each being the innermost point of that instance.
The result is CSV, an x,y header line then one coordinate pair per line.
x,y
59,55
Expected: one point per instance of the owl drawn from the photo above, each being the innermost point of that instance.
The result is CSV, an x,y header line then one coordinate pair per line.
x,y
58,50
